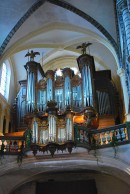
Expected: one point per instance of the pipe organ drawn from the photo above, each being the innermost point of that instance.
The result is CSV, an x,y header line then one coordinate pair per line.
x,y
50,102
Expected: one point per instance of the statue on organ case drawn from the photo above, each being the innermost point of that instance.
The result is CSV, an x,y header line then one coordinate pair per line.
x,y
32,55
83,47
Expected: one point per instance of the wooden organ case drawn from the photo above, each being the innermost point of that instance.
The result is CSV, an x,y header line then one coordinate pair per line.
x,y
48,104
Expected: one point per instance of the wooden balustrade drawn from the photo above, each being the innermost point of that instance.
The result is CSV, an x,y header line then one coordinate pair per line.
x,y
104,136
91,139
11,145
100,138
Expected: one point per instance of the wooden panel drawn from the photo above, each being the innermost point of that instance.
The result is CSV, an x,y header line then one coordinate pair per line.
x,y
106,121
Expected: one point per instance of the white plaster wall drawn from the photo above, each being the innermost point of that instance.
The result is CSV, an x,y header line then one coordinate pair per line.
x,y
111,185
5,111
13,85
48,14
100,10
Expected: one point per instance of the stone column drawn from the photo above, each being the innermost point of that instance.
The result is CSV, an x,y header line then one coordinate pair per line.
x,y
128,4
121,73
123,11
122,8
126,19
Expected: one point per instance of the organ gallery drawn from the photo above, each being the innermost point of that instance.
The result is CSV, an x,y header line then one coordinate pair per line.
x,y
51,105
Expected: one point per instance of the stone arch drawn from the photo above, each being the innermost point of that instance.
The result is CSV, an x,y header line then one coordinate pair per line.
x,y
65,5
70,170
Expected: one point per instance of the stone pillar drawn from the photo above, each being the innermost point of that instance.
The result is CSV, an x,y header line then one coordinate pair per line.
x,y
122,8
126,19
124,12
121,73
128,4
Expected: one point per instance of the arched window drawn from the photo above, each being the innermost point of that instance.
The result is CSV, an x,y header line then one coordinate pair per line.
x,y
5,79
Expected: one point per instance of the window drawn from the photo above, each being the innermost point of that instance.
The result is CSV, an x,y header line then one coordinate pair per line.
x,y
5,79
75,70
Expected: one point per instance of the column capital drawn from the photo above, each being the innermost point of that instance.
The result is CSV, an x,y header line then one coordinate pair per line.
x,y
121,72
121,5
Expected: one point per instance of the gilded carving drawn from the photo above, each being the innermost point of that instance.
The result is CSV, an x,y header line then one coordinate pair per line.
x,y
91,118
50,74
61,122
59,81
76,80
42,84
68,72
43,124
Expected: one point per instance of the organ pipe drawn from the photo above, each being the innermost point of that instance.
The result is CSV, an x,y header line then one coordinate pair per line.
x,y
67,74
50,85
86,67
35,132
87,86
67,90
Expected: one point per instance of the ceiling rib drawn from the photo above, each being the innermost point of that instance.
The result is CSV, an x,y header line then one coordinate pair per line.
x,y
65,5
30,11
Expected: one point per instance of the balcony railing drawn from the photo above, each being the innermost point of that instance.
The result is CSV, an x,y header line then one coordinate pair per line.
x,y
101,138
13,145
83,137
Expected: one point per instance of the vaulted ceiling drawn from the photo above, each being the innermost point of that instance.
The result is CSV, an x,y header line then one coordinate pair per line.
x,y
55,28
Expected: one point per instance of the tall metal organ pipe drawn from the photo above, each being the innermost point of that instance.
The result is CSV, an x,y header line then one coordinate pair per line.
x,y
50,85
67,74
86,67
31,93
